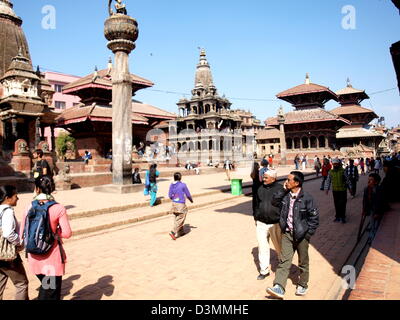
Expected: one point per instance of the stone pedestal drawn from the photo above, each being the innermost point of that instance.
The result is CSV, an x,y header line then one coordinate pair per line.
x,y
119,189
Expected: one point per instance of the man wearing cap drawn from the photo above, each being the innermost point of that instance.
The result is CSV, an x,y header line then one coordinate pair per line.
x,y
266,217
299,219
339,180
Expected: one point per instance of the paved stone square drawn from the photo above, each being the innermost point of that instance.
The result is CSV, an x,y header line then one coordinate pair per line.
x,y
216,260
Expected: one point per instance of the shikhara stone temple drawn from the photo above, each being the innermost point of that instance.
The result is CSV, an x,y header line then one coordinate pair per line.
x,y
207,127
25,99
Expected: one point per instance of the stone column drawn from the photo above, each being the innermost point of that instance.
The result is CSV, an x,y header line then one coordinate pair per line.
x,y
121,31
326,143
53,139
37,131
283,141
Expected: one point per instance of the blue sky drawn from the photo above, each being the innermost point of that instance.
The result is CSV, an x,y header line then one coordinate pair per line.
x,y
256,48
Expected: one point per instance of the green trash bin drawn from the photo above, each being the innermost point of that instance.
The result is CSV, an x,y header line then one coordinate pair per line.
x,y
236,187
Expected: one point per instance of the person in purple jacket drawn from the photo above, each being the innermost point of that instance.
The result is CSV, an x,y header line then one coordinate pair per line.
x,y
177,193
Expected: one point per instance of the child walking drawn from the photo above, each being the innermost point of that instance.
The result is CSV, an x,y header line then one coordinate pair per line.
x,y
178,192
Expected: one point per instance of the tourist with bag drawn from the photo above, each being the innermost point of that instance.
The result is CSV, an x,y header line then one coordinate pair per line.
x,y
46,258
11,265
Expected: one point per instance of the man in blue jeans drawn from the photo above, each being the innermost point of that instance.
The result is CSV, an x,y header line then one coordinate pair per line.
x,y
178,192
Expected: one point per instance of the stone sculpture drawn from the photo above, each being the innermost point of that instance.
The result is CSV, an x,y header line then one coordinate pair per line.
x,y
119,6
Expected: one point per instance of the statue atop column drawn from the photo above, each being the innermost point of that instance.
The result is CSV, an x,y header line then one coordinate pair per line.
x,y
119,6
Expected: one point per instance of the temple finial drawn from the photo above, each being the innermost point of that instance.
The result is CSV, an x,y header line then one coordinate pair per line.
x,y
308,78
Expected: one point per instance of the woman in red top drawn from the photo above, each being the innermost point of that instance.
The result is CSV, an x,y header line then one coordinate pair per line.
x,y
270,160
325,169
50,268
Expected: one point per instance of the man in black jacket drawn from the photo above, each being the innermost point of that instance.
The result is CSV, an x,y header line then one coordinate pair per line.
x,y
299,220
266,217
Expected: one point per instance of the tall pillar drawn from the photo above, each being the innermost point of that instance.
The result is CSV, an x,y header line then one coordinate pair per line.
x,y
281,121
37,131
326,142
121,31
53,139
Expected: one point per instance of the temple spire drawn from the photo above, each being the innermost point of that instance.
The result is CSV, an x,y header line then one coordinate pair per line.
x,y
307,78
203,76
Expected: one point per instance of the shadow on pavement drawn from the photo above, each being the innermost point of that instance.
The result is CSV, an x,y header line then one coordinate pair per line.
x,y
67,285
243,208
103,287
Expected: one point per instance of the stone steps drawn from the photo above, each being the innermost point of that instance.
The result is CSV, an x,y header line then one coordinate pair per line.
x,y
83,223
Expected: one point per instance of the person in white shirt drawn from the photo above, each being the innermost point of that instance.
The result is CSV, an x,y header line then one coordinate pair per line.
x,y
11,269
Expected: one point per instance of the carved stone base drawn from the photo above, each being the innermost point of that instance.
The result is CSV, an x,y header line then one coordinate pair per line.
x,y
119,189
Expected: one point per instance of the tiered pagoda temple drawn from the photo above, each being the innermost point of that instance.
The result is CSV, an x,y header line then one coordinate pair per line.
x,y
90,122
309,129
356,139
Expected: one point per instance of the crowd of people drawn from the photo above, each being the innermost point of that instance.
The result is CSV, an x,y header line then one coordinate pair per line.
x,y
287,214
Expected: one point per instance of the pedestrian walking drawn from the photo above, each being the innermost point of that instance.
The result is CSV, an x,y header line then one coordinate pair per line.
x,y
266,217
264,168
362,166
13,269
377,165
151,183
270,160
340,183
256,182
389,183
178,192
49,267
317,166
352,174
325,170
372,206
228,168
372,165
296,162
304,162
299,219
